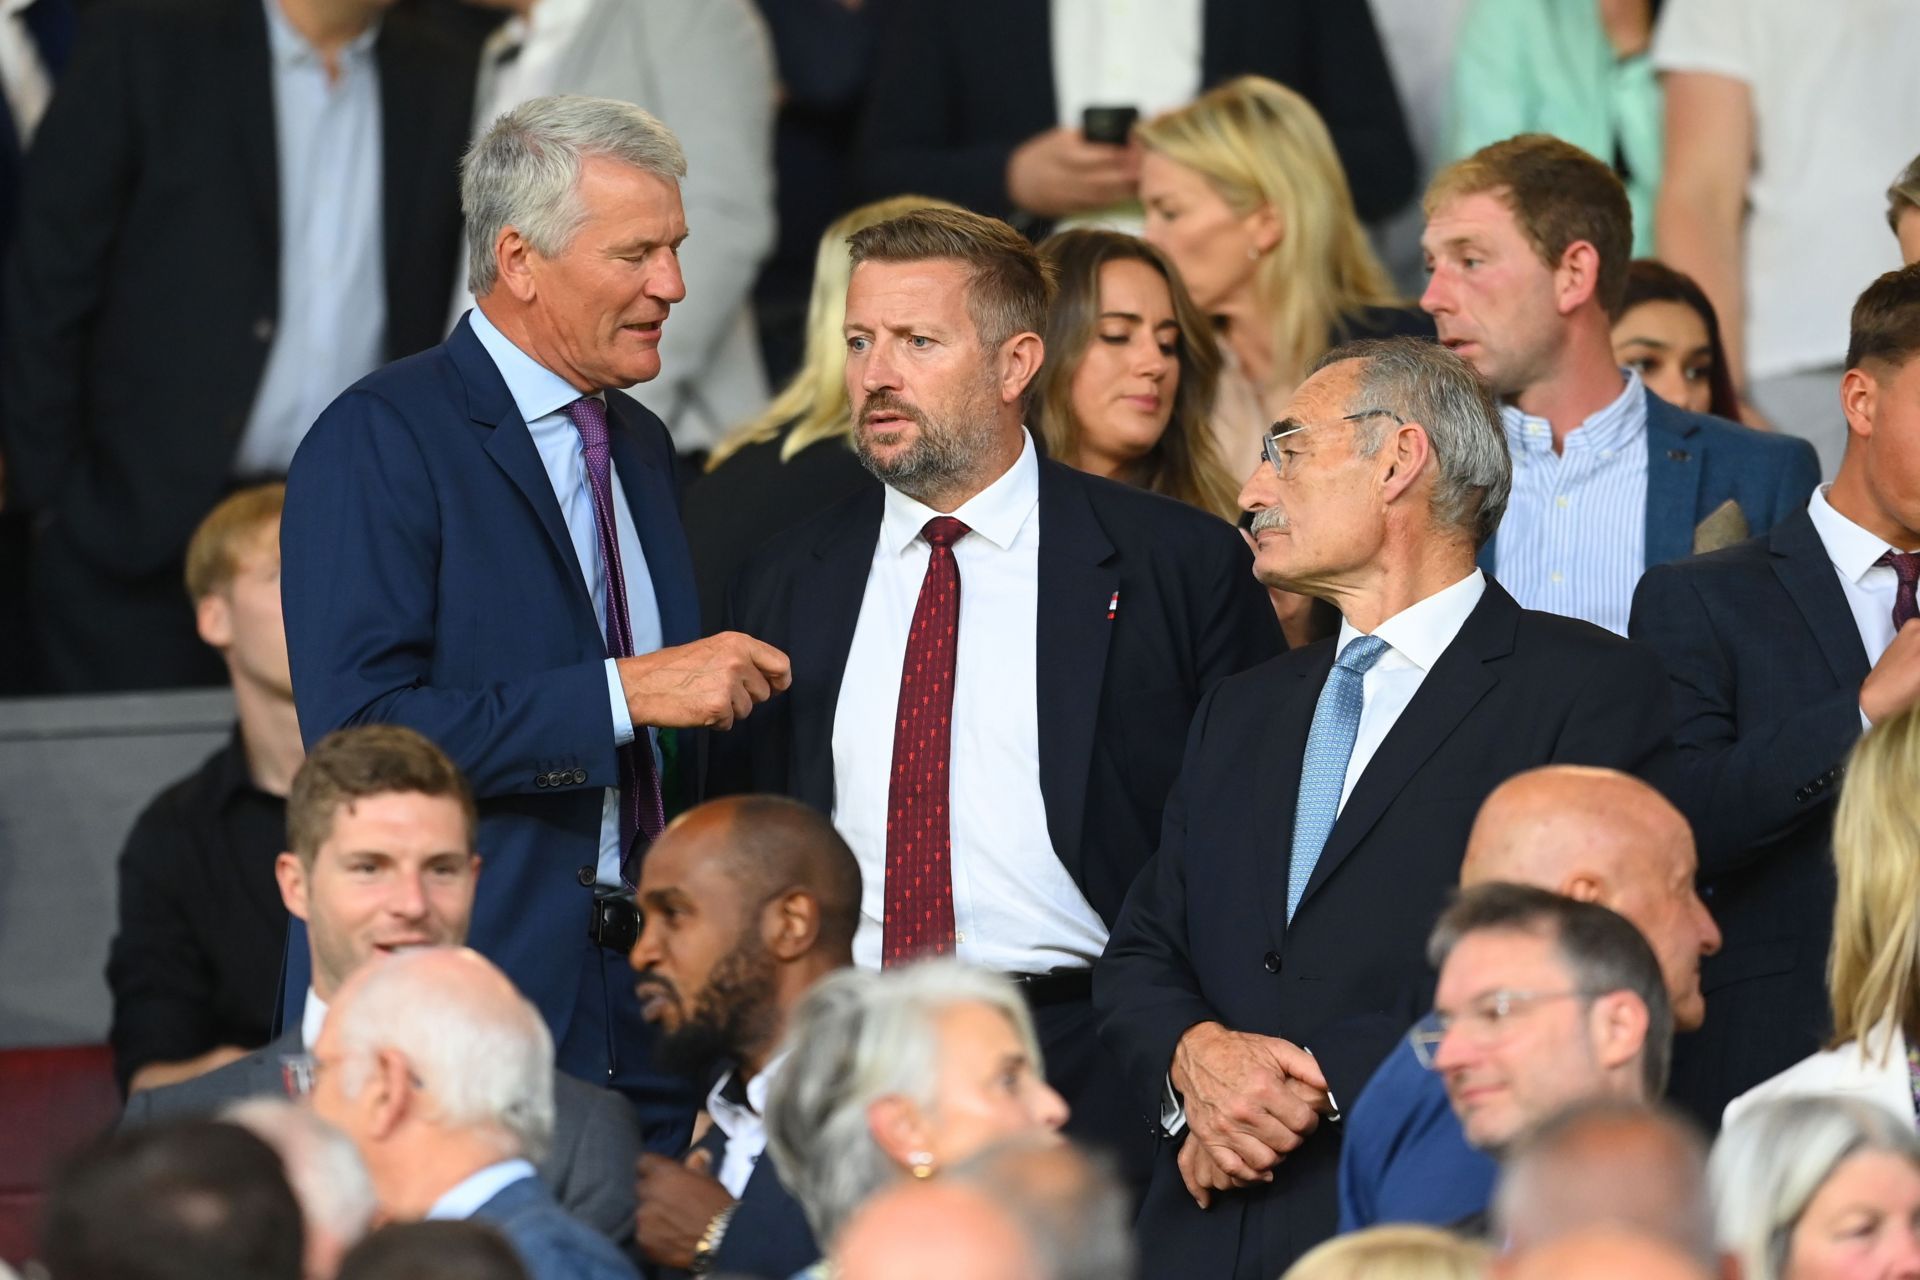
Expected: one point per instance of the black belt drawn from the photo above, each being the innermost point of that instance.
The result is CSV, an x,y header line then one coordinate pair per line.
x,y
1058,987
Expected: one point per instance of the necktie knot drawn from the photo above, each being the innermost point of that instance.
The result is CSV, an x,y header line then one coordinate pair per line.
x,y
1905,565
944,531
590,420
1361,653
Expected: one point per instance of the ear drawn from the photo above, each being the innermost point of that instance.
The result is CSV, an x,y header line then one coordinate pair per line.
x,y
1020,358
1406,451
1581,888
513,259
1579,275
388,1094
213,616
1265,229
897,1127
790,924
1859,399
291,874
1618,1025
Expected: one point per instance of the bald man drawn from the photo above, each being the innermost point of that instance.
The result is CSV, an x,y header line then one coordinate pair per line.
x,y
935,1231
1597,835
1602,1253
1608,1162
747,902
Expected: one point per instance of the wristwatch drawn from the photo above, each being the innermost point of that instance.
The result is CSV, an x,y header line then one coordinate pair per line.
x,y
704,1253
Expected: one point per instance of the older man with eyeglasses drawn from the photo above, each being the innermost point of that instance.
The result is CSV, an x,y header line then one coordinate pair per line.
x,y
1271,955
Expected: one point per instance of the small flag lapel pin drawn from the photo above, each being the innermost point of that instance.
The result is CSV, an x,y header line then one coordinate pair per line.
x,y
1113,606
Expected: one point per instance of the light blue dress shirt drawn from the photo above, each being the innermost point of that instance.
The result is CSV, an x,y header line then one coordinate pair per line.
x,y
1574,539
542,396
464,1198
331,330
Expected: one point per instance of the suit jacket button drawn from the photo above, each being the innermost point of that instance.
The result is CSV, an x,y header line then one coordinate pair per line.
x,y
263,329
579,777
542,780
1802,795
1271,962
586,876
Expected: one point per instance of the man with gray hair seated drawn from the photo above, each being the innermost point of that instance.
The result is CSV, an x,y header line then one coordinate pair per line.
x,y
481,544
1270,956
442,1074
336,1196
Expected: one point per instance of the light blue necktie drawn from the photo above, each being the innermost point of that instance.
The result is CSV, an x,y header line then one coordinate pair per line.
x,y
1336,721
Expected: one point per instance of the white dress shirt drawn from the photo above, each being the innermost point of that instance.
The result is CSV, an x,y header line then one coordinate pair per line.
x,y
542,397
23,72
1015,908
312,1018
1869,587
465,1197
744,1123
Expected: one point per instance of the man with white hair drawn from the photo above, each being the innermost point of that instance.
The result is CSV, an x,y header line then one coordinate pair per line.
x,y
520,589
328,1179
442,1074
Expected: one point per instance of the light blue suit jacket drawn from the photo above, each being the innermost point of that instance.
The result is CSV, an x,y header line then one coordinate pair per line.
x,y
552,1244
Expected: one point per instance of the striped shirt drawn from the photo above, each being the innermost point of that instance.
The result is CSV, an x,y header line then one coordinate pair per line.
x,y
1574,538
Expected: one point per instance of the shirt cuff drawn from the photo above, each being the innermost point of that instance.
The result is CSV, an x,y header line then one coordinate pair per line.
x,y
1173,1112
617,695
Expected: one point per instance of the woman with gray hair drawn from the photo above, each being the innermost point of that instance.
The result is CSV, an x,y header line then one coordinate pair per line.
x,y
900,1073
1818,1188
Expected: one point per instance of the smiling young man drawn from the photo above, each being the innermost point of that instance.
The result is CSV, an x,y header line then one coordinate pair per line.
x,y
516,584
1029,642
1528,241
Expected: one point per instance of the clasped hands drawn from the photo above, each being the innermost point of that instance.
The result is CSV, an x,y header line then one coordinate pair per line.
x,y
707,684
1249,1100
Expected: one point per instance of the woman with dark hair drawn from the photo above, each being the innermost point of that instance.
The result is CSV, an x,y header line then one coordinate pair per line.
x,y
1667,330
1128,384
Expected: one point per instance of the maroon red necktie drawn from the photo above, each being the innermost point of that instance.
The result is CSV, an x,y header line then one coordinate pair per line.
x,y
1906,567
919,883
641,811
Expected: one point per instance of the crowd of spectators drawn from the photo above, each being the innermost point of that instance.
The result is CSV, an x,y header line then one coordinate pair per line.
x,y
994,641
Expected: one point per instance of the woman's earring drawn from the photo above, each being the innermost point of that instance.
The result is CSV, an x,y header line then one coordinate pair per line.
x,y
921,1162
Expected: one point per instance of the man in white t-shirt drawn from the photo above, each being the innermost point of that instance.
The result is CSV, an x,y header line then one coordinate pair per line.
x,y
1785,122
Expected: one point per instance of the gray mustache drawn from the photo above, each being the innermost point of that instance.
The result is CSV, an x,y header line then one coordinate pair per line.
x,y
1271,519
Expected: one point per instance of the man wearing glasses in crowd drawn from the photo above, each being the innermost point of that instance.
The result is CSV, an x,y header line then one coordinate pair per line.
x,y
1251,1001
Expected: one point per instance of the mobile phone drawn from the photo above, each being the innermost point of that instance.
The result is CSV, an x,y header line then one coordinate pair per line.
x,y
1111,125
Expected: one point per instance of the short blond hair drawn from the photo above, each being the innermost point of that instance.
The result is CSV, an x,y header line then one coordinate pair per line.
x,y
1873,970
231,530
1404,1251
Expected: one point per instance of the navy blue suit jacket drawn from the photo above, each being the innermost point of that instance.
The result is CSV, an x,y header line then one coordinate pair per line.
x,y
1766,665
551,1244
1696,464
1404,1157
769,1237
428,580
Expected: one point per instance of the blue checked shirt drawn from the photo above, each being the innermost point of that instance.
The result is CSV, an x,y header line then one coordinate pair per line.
x,y
1574,539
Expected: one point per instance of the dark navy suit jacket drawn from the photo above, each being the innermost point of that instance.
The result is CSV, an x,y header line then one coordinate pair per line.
x,y
1404,1158
769,1237
428,580
1696,464
551,1244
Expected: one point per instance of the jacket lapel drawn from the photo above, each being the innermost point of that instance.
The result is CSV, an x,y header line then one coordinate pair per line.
x,y
252,64
1673,482
1275,788
824,606
1077,581
1801,563
1458,681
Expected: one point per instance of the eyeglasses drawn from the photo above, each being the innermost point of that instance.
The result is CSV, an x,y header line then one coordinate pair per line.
x,y
1286,462
1482,1023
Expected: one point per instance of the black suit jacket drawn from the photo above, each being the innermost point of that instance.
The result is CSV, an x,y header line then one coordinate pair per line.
x,y
143,287
956,87
1204,935
1115,691
769,1237
1766,665
589,1164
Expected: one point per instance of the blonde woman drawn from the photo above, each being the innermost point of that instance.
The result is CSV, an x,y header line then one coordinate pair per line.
x,y
1128,384
796,457
1405,1252
1873,967
1244,192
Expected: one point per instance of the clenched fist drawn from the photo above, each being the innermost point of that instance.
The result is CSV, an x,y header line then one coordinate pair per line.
x,y
704,685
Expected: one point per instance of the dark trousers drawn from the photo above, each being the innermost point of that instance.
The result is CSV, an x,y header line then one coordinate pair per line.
x,y
98,631
1105,1116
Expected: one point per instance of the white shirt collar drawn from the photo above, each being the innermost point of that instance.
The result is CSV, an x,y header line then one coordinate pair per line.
x,y
1422,631
311,1020
1613,426
997,513
1852,549
467,1195
290,48
536,390
730,1115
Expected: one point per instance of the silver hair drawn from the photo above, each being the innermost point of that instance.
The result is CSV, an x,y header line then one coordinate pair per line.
x,y
524,171
335,1193
485,1073
860,1036
1423,382
1771,1162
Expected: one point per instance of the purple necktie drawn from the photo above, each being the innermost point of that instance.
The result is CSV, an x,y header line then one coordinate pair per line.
x,y
641,812
1906,567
